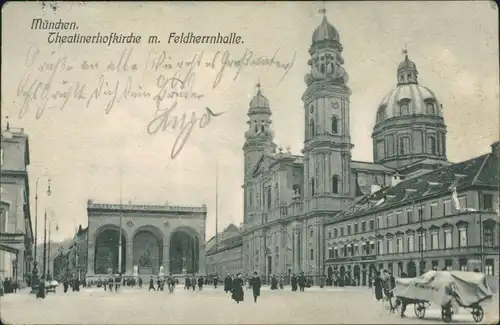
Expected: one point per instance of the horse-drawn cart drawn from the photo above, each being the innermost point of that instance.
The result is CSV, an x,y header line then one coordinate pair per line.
x,y
448,289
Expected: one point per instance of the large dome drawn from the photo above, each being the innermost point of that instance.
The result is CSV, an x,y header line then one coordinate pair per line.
x,y
325,31
259,103
408,98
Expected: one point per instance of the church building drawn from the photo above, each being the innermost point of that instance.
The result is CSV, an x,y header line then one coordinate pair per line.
x,y
290,200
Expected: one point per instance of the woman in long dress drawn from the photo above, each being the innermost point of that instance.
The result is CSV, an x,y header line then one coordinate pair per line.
x,y
378,287
255,284
237,289
41,290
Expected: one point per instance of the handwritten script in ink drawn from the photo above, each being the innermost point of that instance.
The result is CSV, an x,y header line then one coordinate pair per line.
x,y
172,88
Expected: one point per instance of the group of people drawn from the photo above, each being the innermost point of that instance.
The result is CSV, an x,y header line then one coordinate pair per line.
x,y
8,286
192,282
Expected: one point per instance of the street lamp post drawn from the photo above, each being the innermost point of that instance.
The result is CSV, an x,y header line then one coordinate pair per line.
x,y
34,281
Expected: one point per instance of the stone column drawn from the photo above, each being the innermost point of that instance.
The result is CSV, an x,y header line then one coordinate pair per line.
x,y
296,262
166,253
90,259
129,259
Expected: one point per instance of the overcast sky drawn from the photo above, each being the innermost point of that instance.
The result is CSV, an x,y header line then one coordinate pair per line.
x,y
454,44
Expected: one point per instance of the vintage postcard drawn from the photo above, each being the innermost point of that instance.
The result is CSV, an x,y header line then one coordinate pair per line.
x,y
249,162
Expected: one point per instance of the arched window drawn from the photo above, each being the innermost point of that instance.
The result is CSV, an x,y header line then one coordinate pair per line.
x,y
431,109
313,186
312,128
409,76
256,128
404,146
322,68
335,123
431,145
335,184
262,128
311,108
404,108
331,67
401,78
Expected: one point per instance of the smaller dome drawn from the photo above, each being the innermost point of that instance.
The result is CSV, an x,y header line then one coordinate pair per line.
x,y
325,31
407,64
259,101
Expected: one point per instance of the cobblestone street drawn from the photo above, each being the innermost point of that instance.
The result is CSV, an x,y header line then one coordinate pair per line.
x,y
138,306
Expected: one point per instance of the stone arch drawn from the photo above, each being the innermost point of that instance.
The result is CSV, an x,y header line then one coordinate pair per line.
x,y
147,249
106,239
184,250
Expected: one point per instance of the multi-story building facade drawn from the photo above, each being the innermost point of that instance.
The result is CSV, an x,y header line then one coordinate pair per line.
x,y
60,265
77,261
290,200
16,234
224,254
445,218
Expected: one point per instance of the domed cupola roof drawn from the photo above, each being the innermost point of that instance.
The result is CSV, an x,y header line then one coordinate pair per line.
x,y
259,103
408,98
325,32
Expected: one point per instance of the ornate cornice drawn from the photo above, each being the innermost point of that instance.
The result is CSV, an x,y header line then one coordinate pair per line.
x,y
321,89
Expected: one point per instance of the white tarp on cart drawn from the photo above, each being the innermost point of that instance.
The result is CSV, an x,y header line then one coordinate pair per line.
x,y
440,287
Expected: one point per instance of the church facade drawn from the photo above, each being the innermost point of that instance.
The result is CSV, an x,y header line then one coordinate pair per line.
x,y
290,200
155,239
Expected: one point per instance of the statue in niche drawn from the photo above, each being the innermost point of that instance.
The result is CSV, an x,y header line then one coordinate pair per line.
x,y
136,270
161,270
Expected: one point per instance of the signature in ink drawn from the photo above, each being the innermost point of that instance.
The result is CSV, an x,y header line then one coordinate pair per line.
x,y
165,119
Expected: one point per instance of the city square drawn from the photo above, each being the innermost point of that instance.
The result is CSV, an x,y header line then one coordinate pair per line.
x,y
213,306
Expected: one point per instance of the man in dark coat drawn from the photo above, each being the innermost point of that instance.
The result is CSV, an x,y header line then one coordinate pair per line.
x,y
228,283
216,281
302,281
200,283
193,283
65,285
237,289
255,284
187,283
293,282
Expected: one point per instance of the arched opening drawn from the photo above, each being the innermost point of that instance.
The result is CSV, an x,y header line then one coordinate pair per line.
x,y
262,128
256,128
106,252
322,68
357,274
147,252
411,269
335,123
431,108
184,253
335,184
329,279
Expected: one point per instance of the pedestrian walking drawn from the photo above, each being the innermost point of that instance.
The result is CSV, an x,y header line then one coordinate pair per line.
x,y
193,282
378,287
228,283
237,289
293,282
200,283
151,284
255,284
187,283
302,281
41,290
216,281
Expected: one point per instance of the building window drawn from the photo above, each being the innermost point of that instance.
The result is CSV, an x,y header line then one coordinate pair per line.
x,y
434,240
335,252
312,131
330,252
342,231
462,201
400,245
433,209
411,244
488,236
311,108
311,254
404,145
311,232
277,195
446,208
389,246
269,198
370,247
487,202
462,264
335,232
348,229
372,224
420,213
422,244
448,239
409,216
431,145
335,123
404,108
313,186
379,222
356,228
335,184
431,108
330,234
363,226
462,237
488,267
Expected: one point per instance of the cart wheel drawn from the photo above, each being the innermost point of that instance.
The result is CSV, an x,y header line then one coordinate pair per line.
x,y
419,308
446,314
477,314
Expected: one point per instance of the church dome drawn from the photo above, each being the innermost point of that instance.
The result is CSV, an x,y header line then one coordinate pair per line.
x,y
408,98
325,32
259,103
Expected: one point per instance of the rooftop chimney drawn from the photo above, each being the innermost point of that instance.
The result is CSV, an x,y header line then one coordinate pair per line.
x,y
495,148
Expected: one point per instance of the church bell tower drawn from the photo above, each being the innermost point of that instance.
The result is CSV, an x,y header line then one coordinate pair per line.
x,y
327,141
